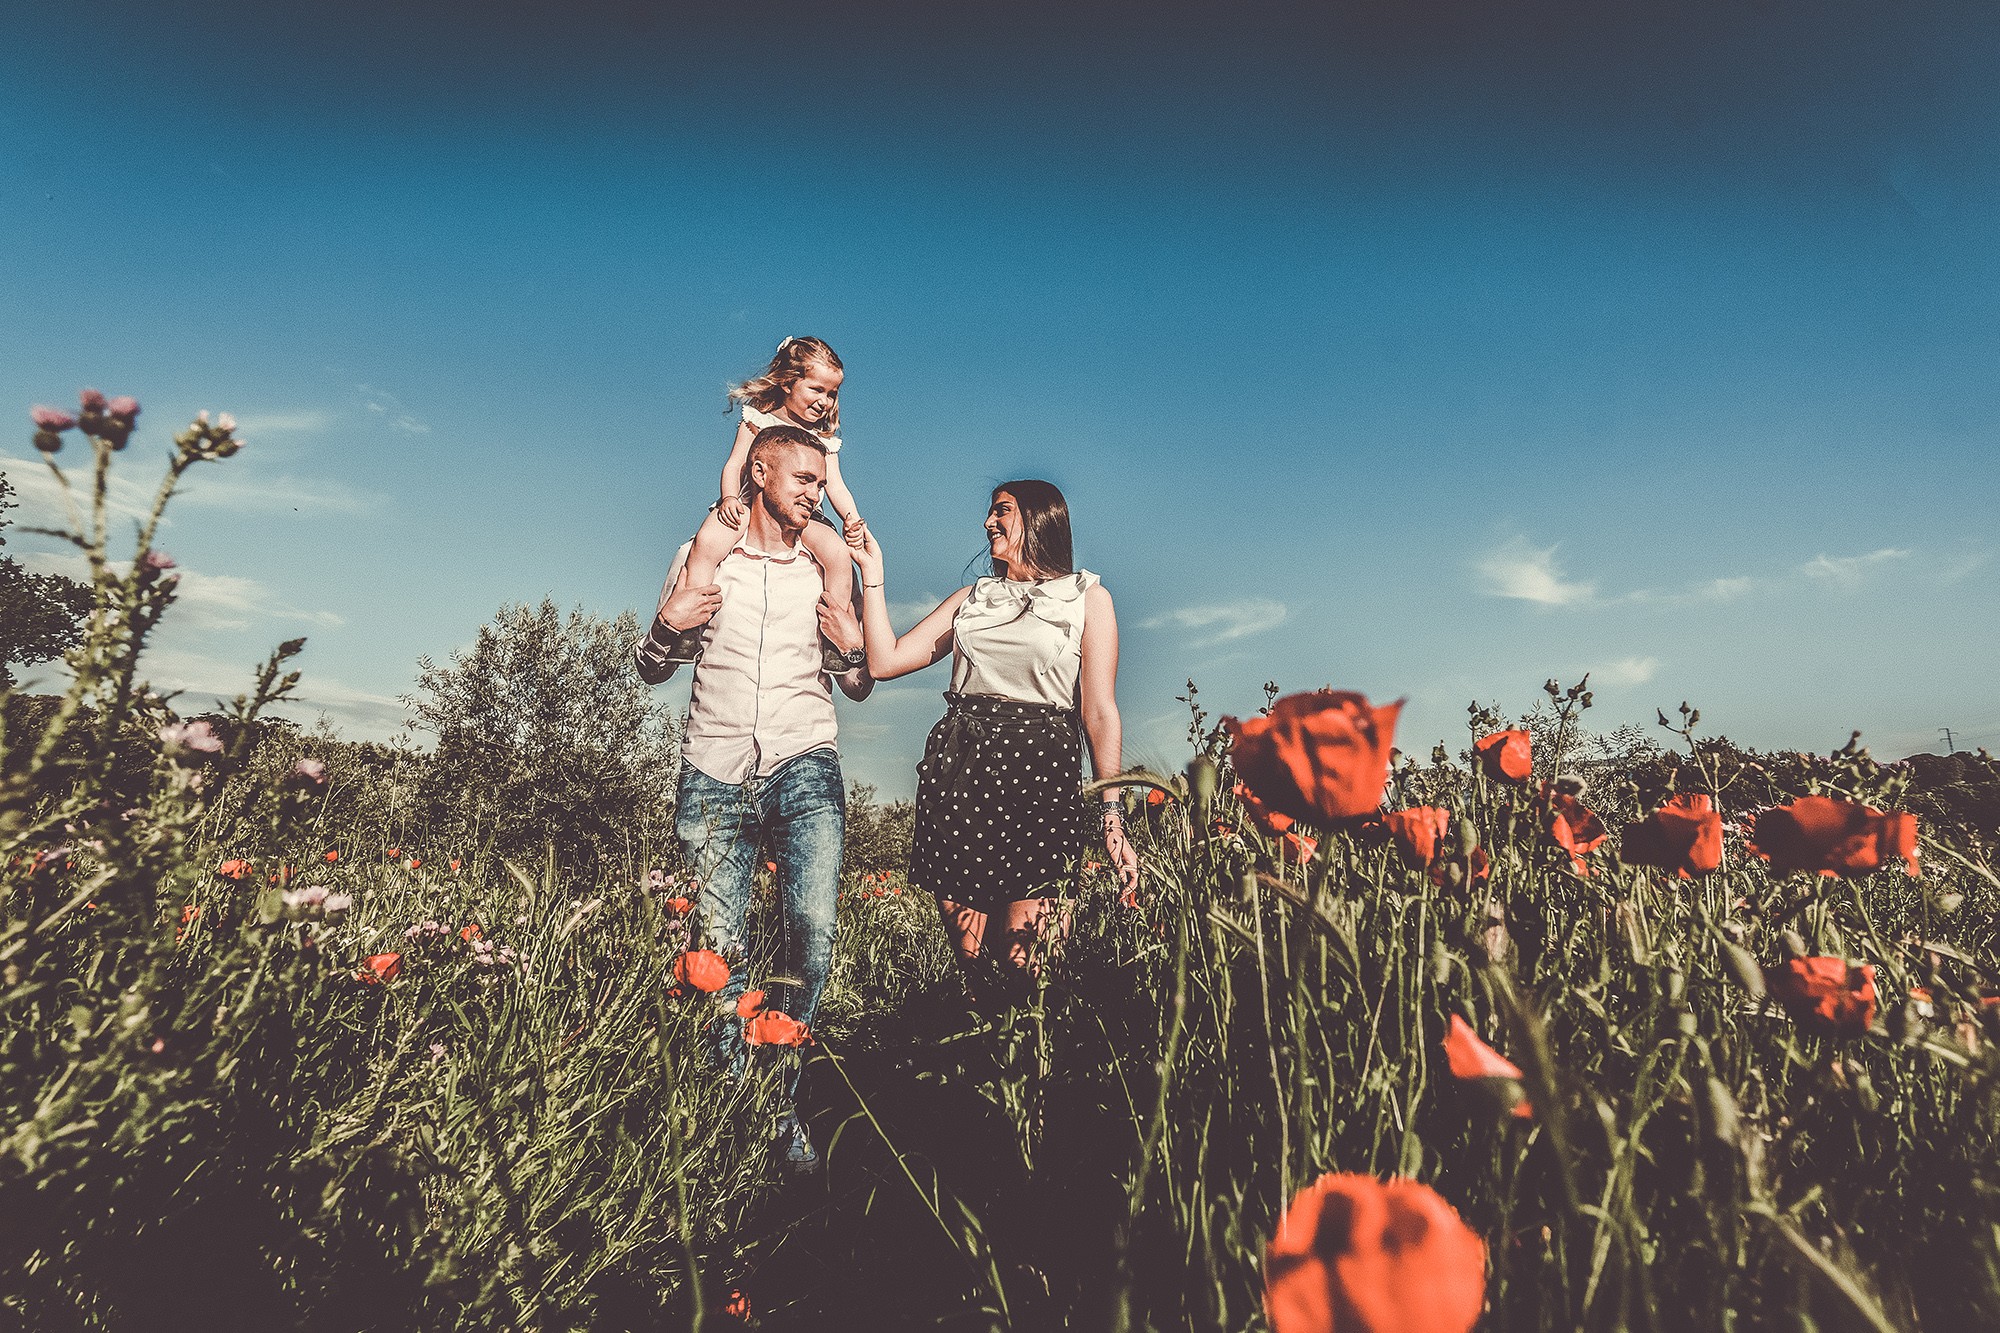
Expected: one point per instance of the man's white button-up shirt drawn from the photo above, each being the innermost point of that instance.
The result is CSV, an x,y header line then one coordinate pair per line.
x,y
759,696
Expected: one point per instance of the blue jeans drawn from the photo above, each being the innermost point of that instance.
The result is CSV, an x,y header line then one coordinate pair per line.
x,y
800,813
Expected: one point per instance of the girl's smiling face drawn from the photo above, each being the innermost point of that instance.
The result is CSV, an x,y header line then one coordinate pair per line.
x,y
811,395
1003,535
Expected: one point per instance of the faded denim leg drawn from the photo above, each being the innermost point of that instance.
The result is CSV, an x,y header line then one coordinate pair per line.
x,y
717,825
804,807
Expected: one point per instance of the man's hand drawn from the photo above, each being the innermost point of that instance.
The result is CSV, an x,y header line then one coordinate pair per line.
x,y
840,626
684,608
731,511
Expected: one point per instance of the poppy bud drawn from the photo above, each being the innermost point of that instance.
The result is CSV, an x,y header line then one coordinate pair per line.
x,y
1719,1110
1744,969
1795,944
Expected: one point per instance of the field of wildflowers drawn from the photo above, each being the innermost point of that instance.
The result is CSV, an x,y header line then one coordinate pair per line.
x,y
1561,1031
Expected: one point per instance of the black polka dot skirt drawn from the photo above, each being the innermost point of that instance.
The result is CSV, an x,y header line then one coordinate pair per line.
x,y
1000,812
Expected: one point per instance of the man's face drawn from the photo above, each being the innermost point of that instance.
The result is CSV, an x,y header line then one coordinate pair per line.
x,y
790,480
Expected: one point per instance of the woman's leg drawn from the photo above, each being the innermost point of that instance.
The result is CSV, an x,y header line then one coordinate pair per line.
x,y
1033,924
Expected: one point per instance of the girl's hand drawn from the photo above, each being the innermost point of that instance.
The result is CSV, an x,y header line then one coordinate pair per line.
x,y
855,527
1124,860
868,556
732,512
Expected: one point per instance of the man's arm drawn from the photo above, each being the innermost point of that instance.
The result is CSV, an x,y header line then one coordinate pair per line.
x,y
679,610
844,631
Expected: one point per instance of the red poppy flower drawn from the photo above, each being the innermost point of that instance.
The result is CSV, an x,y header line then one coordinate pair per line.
x,y
454,865
737,1306
1417,832
416,861
1302,846
702,969
771,866
1322,756
1575,828
234,869
1356,1253
678,906
470,932
330,857
379,968
749,1003
1834,837
1506,755
1471,1058
1825,995
1478,864
190,912
395,852
1261,815
1156,797
772,1028
1684,835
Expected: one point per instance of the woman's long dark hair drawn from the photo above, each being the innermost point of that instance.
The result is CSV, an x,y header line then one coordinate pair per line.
x,y
1045,540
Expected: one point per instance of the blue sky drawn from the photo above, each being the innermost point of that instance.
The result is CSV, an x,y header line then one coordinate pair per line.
x,y
1417,349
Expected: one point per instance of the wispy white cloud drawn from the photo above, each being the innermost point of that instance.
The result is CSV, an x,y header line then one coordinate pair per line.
x,y
252,424
203,681
1529,573
390,408
1848,568
1625,671
242,490
231,601
202,601
40,495
1220,622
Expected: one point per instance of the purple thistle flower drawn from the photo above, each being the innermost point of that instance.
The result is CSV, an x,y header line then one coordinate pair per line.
x,y
125,405
49,418
92,400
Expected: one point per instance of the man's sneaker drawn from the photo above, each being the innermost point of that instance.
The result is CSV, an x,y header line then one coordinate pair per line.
x,y
801,1158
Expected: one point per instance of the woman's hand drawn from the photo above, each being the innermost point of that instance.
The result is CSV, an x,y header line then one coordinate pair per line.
x,y
867,555
1124,860
731,511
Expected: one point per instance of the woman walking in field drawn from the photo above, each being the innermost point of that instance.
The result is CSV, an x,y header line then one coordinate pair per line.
x,y
1034,649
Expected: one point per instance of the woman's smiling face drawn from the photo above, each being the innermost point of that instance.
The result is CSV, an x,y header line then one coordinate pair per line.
x,y
1003,536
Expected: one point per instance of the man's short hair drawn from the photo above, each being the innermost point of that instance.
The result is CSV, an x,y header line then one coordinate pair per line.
x,y
780,437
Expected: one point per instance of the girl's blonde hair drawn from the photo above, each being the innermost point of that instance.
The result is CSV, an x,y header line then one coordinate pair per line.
x,y
766,392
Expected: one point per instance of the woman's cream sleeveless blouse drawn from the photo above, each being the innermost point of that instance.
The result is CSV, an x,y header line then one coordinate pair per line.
x,y
1021,640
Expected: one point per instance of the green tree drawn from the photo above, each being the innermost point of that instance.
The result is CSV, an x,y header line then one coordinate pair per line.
x,y
545,735
41,615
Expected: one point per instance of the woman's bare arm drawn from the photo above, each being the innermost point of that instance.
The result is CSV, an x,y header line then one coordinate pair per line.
x,y
890,656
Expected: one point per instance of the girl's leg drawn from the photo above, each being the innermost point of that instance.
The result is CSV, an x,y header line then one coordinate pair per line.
x,y
836,563
965,928
712,541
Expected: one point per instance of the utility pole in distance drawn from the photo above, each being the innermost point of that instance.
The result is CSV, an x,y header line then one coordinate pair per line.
x,y
1947,740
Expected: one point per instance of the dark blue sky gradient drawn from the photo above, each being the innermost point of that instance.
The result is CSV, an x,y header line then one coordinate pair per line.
x,y
1412,321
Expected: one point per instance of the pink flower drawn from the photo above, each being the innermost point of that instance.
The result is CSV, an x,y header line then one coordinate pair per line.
x,y
157,561
48,418
124,405
310,772
91,400
198,736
